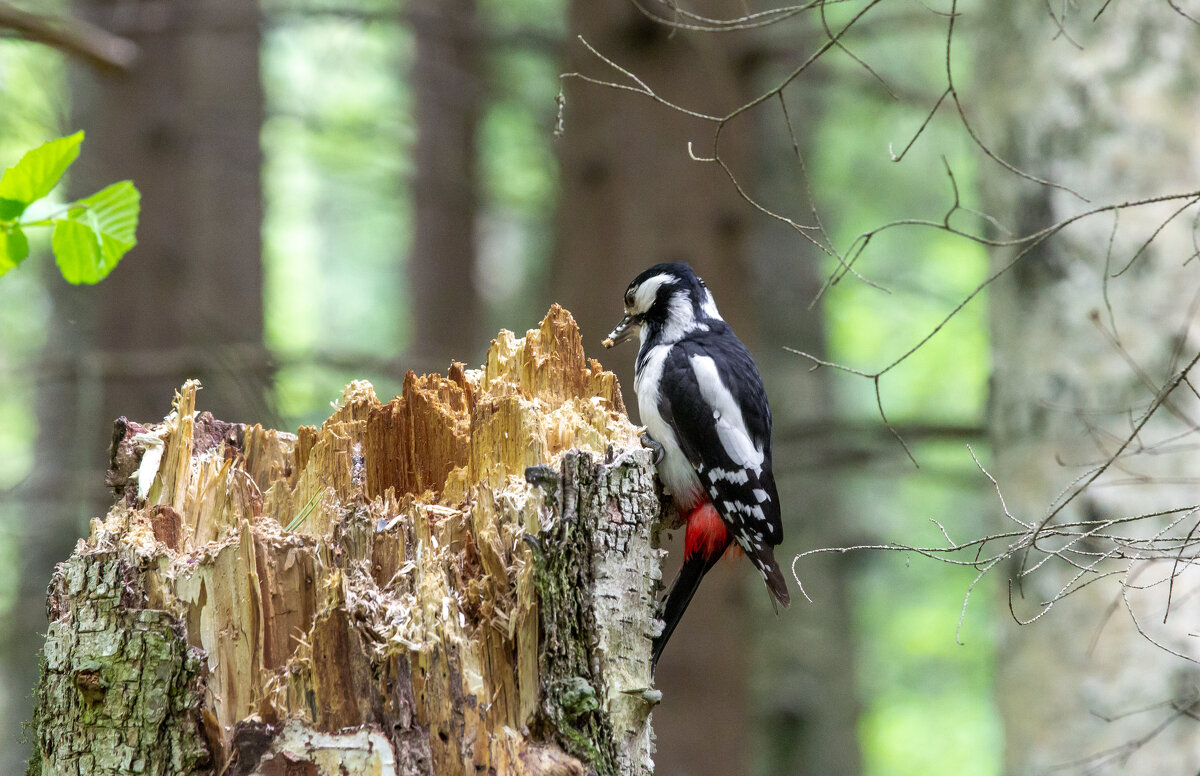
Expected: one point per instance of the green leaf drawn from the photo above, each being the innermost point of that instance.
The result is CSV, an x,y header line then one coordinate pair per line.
x,y
10,209
38,171
77,252
96,233
113,211
14,247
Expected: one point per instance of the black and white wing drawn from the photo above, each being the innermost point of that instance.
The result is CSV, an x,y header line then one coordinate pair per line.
x,y
712,395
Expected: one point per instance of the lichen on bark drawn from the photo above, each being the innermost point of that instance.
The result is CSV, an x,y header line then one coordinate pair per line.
x,y
610,561
124,675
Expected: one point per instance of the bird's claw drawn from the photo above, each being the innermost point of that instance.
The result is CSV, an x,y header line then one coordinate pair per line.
x,y
654,446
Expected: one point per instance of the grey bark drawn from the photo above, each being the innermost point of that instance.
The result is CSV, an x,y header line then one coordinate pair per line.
x,y
121,689
598,551
1114,119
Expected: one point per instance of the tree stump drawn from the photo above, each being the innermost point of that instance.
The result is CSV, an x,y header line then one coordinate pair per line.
x,y
459,581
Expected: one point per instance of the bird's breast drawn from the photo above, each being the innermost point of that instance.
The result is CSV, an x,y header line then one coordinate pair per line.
x,y
676,472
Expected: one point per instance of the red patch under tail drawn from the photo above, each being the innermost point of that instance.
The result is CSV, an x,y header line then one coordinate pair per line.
x,y
706,533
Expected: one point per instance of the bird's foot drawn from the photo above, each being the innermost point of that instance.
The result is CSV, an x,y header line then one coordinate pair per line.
x,y
653,445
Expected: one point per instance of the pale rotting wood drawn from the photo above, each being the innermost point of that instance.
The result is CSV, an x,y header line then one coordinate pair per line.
x,y
432,612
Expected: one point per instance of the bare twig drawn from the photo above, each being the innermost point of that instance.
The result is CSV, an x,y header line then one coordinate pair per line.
x,y
71,36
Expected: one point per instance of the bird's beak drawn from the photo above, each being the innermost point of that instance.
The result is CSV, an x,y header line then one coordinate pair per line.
x,y
626,329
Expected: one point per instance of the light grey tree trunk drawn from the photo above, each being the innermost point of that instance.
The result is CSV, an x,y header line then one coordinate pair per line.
x,y
1109,108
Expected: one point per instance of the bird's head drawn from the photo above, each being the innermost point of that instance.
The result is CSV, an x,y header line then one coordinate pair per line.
x,y
665,303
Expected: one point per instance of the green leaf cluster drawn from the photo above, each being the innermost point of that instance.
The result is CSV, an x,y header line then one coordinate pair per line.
x,y
90,235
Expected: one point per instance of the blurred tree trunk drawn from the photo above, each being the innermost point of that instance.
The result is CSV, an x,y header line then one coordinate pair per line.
x,y
187,302
460,580
630,195
1109,110
804,695
448,88
185,126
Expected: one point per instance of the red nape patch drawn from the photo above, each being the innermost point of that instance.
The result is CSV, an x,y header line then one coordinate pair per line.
x,y
706,532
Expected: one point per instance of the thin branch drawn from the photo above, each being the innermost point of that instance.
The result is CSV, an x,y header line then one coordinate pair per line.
x,y
1158,401
962,115
639,88
75,37
920,129
699,23
1151,238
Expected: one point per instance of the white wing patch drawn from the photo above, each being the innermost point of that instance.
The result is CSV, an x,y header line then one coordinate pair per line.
x,y
738,477
731,426
675,470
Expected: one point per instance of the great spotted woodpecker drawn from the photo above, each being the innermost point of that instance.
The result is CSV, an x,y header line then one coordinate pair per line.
x,y
706,416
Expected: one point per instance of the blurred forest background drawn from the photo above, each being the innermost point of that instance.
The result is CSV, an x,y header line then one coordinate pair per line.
x,y
343,189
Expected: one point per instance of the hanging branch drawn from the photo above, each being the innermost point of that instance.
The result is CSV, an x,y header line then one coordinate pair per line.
x,y
75,37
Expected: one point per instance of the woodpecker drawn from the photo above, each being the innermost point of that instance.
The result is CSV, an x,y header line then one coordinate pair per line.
x,y
706,416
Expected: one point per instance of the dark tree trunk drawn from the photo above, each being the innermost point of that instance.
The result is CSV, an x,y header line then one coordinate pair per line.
x,y
184,125
448,89
804,700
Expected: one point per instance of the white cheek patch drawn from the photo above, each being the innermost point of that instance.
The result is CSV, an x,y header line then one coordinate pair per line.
x,y
647,292
731,427
681,321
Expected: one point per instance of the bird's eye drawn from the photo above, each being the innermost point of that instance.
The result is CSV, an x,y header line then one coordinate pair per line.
x,y
629,298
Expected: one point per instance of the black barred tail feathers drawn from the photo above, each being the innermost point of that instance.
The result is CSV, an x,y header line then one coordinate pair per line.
x,y
764,561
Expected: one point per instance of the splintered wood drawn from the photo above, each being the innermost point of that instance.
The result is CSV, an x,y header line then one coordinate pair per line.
x,y
460,580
